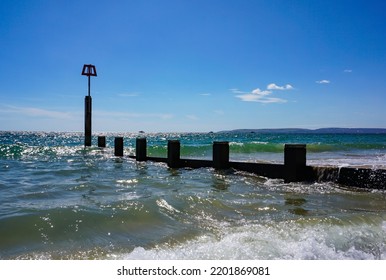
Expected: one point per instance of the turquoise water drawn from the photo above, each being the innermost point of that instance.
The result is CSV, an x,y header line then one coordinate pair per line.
x,y
59,200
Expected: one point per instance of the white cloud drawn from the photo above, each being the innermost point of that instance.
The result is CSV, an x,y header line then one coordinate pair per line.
x,y
249,97
260,99
258,95
347,71
262,96
205,94
276,87
323,82
261,92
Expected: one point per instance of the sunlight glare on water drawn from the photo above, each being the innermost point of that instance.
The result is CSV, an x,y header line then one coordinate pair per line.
x,y
59,200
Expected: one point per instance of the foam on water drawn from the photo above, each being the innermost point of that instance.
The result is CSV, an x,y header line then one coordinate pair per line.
x,y
286,240
375,161
303,239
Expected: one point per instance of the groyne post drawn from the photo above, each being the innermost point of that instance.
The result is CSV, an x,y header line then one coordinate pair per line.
x,y
87,120
221,155
141,149
294,162
174,153
118,146
88,70
102,141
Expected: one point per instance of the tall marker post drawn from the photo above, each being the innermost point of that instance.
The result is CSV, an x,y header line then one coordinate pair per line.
x,y
88,70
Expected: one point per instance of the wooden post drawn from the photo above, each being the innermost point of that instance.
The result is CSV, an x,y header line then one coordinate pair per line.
x,y
118,146
174,153
102,141
140,149
87,120
88,70
295,161
221,155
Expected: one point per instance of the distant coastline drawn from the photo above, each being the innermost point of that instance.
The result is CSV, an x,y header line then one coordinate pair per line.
x,y
316,131
333,130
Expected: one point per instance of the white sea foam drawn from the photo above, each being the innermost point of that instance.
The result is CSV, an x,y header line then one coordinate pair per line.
x,y
375,161
287,240
164,205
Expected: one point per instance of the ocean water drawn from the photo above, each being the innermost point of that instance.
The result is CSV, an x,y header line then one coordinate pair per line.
x,y
60,200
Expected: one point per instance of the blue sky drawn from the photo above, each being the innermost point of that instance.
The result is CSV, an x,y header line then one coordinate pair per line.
x,y
202,65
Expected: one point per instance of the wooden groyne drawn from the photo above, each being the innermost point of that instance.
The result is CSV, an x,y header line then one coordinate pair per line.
x,y
294,169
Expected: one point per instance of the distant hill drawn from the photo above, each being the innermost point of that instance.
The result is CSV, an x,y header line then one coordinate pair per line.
x,y
316,131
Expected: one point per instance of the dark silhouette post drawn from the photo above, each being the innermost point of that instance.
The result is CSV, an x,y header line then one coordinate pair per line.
x,y
102,141
174,153
118,146
140,149
221,155
294,162
87,120
88,70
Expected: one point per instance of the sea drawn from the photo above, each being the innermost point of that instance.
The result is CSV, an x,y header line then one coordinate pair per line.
x,y
61,200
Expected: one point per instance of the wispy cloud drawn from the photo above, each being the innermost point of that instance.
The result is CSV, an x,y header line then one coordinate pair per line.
x,y
258,95
235,90
262,96
276,87
323,82
132,115
219,112
43,113
36,112
205,94
134,94
347,71
192,117
261,92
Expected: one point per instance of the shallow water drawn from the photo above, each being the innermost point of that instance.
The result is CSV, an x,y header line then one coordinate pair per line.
x,y
59,200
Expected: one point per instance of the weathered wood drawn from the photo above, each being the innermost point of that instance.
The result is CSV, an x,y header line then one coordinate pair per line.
x,y
174,153
221,155
294,168
87,120
141,149
294,162
118,146
102,141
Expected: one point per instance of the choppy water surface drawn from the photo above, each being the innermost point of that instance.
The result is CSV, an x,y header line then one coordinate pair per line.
x,y
59,200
